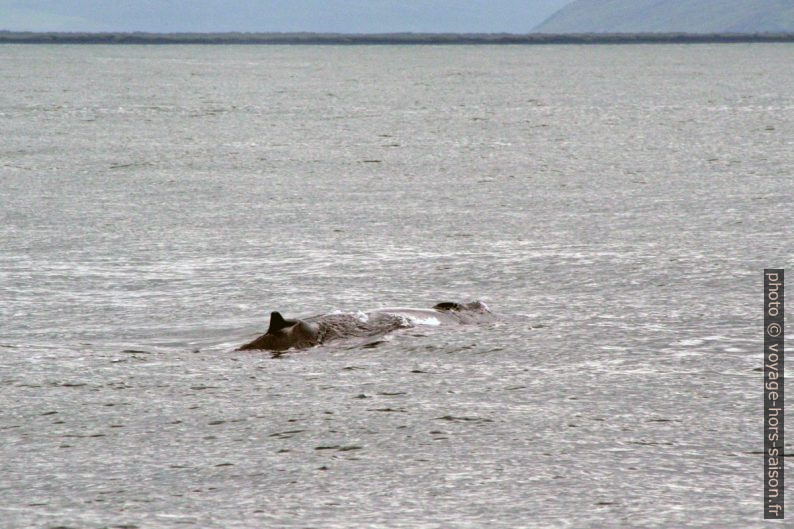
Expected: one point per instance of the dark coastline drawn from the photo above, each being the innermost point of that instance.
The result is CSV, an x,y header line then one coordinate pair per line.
x,y
12,37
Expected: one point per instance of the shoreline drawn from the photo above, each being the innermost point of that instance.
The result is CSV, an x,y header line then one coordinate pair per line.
x,y
15,37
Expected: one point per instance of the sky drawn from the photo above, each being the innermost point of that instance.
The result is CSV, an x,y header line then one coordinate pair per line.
x,y
324,16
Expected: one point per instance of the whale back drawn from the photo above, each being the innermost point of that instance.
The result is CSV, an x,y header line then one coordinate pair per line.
x,y
475,307
448,305
283,334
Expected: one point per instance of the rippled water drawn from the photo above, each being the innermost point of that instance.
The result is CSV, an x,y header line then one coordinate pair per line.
x,y
615,205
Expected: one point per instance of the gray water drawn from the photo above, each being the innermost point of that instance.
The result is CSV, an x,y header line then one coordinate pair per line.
x,y
614,205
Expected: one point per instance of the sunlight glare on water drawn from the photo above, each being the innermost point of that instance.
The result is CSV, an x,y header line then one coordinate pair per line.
x,y
614,206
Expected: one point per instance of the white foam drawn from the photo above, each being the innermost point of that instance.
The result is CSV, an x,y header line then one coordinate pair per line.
x,y
430,320
361,316
689,342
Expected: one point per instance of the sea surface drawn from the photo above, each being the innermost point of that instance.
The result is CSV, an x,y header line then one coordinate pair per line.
x,y
615,206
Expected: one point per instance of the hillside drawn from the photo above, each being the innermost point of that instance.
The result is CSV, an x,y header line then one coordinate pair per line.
x,y
690,16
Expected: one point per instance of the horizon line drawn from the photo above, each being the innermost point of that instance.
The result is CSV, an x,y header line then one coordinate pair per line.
x,y
388,33
308,37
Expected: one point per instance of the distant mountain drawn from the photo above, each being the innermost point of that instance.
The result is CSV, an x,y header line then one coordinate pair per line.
x,y
323,16
655,16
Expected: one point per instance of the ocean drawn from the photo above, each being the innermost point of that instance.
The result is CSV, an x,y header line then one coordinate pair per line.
x,y
614,206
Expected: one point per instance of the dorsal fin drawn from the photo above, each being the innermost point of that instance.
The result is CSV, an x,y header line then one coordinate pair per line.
x,y
277,322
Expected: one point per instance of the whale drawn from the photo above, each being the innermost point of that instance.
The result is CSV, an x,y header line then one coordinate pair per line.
x,y
284,334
